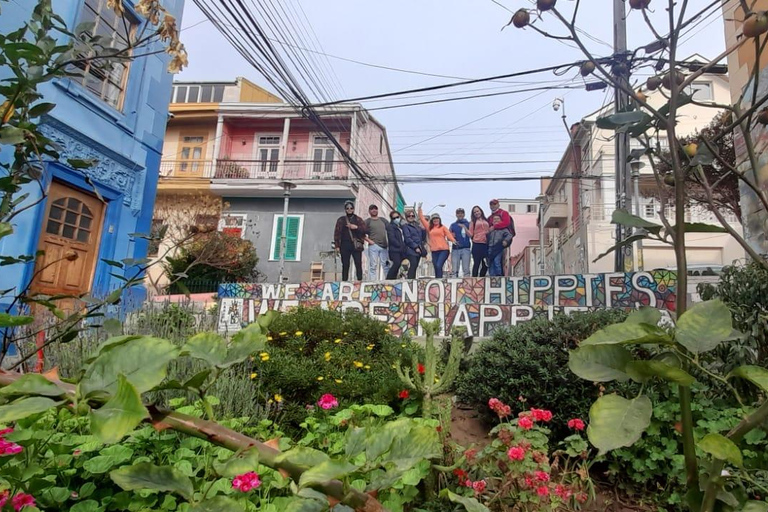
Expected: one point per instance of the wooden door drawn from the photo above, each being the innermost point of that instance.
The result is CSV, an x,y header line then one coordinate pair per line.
x,y
191,162
70,240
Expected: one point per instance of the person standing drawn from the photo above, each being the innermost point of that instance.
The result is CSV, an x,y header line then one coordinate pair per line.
x,y
439,236
414,237
376,229
348,237
478,230
396,246
499,238
461,251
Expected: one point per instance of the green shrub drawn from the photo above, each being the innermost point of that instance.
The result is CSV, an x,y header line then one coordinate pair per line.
x,y
314,351
531,361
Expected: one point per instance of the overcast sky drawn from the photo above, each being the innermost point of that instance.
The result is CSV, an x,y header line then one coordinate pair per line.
x,y
461,38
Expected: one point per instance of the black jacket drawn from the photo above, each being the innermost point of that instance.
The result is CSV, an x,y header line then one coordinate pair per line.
x,y
414,236
396,240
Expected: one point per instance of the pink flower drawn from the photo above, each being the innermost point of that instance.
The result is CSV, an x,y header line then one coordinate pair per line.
x,y
563,492
541,415
6,431
246,481
542,490
576,424
499,407
327,401
478,486
529,482
468,483
22,500
542,476
525,423
4,498
8,448
516,453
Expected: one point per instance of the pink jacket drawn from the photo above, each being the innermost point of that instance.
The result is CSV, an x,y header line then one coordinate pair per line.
x,y
479,231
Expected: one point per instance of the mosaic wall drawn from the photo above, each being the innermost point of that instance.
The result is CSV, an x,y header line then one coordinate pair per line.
x,y
479,304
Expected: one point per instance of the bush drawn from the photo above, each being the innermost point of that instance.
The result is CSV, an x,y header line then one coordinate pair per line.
x,y
214,256
531,361
314,351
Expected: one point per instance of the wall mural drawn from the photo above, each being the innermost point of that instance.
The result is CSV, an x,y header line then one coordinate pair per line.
x,y
479,304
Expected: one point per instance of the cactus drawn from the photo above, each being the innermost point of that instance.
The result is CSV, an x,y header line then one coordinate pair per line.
x,y
429,384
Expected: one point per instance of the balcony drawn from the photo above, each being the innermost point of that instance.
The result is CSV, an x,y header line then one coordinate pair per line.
x,y
555,215
293,170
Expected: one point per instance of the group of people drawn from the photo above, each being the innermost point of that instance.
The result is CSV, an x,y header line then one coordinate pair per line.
x,y
479,240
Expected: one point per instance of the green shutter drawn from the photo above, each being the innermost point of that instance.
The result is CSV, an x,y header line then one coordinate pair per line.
x,y
292,238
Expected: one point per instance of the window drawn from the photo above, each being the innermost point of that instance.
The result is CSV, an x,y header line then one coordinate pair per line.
x,y
293,237
511,208
268,154
701,91
381,144
233,224
192,154
532,208
197,93
649,209
70,218
323,156
107,80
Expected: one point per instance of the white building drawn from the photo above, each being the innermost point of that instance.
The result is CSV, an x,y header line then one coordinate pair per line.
x,y
577,212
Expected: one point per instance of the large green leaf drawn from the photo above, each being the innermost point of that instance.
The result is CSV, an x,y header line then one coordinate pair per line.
x,y
325,471
208,346
619,119
408,448
7,320
600,363
32,384
218,504
11,135
755,506
615,422
754,374
700,227
6,228
148,476
238,464
120,415
266,319
305,505
108,458
720,447
624,218
625,242
143,361
644,315
24,407
470,504
704,326
627,333
641,371
303,457
246,342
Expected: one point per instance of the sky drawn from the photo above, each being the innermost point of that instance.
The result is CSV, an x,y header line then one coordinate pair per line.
x,y
519,133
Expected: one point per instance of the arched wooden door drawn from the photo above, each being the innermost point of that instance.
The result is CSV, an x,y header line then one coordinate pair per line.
x,y
70,241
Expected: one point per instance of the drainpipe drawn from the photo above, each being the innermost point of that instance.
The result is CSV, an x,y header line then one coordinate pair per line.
x,y
284,147
541,233
217,144
287,186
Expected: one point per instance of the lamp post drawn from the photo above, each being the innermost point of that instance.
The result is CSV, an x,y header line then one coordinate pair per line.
x,y
541,198
635,165
435,208
287,187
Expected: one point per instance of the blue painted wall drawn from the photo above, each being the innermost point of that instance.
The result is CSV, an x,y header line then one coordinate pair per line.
x,y
128,144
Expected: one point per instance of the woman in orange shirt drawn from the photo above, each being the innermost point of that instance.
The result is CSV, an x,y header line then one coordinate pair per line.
x,y
439,236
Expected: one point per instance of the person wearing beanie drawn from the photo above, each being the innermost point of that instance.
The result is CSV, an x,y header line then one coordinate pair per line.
x,y
376,229
415,238
439,236
348,237
461,250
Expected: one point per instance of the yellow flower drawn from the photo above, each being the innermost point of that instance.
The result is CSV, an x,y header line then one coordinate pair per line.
x,y
320,378
437,380
345,333
327,356
283,333
367,367
358,364
394,367
299,333
264,356
254,375
270,401
369,347
278,398
337,381
269,338
387,329
337,340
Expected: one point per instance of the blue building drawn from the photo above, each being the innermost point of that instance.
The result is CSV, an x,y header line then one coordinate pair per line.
x,y
117,118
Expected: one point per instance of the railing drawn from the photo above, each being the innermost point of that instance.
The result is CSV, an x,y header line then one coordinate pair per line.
x,y
256,169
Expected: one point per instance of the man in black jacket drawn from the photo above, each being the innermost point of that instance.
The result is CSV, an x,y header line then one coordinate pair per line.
x,y
348,236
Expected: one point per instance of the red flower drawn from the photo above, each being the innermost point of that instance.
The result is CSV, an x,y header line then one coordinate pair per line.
x,y
420,368
542,490
516,453
581,497
576,424
246,481
542,476
22,500
470,455
563,492
478,486
460,474
529,482
541,415
404,394
525,423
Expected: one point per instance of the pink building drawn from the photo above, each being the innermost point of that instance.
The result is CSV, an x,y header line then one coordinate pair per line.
x,y
525,213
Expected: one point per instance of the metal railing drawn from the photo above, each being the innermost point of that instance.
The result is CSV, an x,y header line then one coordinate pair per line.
x,y
226,169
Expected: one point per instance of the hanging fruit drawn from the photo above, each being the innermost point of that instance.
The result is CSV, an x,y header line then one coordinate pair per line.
x,y
521,18
545,5
639,4
587,68
653,83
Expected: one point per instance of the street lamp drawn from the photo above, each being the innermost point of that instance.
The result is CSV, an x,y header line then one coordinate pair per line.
x,y
287,187
635,165
435,208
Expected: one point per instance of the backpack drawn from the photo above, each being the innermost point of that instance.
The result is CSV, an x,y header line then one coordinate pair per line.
x,y
512,226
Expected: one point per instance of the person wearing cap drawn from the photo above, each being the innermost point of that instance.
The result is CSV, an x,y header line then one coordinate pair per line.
x,y
439,236
348,237
501,231
376,236
462,248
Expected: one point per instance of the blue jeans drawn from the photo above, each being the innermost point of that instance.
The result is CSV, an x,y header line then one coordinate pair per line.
x,y
377,255
461,258
438,260
495,259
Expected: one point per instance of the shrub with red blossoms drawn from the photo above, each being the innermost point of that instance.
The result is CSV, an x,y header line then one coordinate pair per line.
x,y
404,394
246,482
516,453
460,474
327,401
542,490
478,486
576,424
563,492
22,500
499,407
541,415
542,476
526,423
8,448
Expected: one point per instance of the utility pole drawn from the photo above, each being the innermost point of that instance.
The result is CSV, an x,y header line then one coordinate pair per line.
x,y
623,257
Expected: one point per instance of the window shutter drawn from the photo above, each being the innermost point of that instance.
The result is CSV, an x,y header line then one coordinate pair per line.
x,y
278,233
292,239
